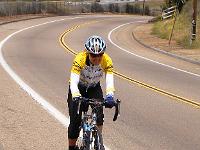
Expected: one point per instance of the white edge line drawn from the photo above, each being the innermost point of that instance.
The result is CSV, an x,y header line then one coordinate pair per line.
x,y
109,37
44,103
47,106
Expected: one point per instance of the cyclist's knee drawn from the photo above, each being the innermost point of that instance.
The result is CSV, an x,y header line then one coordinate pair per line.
x,y
100,119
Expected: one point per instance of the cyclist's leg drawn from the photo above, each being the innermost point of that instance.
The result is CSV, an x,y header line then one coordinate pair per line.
x,y
75,119
97,93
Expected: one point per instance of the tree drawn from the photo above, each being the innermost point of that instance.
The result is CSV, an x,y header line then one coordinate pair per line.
x,y
96,7
146,10
129,8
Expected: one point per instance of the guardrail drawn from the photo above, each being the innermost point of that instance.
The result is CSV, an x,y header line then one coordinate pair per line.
x,y
169,12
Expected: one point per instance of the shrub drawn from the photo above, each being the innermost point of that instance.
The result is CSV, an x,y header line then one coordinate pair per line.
x,y
96,7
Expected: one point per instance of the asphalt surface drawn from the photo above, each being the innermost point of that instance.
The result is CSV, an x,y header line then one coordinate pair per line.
x,y
149,120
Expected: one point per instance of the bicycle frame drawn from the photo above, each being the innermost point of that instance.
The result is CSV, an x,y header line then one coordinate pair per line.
x,y
89,130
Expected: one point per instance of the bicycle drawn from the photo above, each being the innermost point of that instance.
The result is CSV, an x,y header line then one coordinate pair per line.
x,y
90,137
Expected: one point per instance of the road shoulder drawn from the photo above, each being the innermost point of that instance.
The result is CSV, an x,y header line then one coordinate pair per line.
x,y
23,122
142,34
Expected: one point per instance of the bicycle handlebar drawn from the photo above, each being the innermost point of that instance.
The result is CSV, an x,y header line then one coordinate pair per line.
x,y
117,110
96,102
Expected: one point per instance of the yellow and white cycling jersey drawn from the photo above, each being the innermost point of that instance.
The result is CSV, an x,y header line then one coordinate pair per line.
x,y
89,75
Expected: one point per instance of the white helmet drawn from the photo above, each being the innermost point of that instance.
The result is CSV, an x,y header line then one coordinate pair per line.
x,y
95,45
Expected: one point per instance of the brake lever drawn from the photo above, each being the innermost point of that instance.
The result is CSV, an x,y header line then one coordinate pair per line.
x,y
117,110
119,102
78,110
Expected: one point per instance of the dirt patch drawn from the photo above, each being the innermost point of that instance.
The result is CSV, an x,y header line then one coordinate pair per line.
x,y
143,34
8,19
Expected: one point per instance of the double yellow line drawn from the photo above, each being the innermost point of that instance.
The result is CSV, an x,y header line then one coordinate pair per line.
x,y
171,95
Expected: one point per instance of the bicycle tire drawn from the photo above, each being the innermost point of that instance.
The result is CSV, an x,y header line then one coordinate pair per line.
x,y
87,141
98,144
83,142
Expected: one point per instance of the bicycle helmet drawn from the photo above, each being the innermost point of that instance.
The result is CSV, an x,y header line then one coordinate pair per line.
x,y
95,45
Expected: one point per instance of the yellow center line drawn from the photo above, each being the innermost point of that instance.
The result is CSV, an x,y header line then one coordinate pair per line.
x,y
155,89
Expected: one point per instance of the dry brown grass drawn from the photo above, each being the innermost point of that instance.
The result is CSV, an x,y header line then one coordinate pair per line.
x,y
182,30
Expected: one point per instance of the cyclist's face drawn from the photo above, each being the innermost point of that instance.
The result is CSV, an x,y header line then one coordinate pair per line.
x,y
95,59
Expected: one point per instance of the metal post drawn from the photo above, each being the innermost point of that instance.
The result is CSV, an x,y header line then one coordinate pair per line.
x,y
175,16
194,20
143,12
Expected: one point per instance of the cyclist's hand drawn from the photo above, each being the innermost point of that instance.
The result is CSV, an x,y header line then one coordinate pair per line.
x,y
76,99
109,101
84,104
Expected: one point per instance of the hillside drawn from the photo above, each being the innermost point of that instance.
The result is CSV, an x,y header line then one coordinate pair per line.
x,y
183,26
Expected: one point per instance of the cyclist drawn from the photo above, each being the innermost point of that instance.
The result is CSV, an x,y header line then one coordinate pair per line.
x,y
87,70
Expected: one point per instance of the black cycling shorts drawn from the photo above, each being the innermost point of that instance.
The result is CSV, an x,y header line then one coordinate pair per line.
x,y
75,118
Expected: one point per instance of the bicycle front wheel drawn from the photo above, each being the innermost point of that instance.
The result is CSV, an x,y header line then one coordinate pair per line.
x,y
98,140
83,141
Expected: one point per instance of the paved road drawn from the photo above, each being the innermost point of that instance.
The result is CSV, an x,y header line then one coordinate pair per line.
x,y
149,120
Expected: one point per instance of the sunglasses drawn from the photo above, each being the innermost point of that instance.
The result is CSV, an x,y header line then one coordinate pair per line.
x,y
96,55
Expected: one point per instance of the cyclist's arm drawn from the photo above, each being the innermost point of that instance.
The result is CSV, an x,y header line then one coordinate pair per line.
x,y
74,80
108,67
110,84
75,75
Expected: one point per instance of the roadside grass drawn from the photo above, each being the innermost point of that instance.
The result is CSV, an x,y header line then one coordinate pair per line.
x,y
152,4
182,29
151,8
